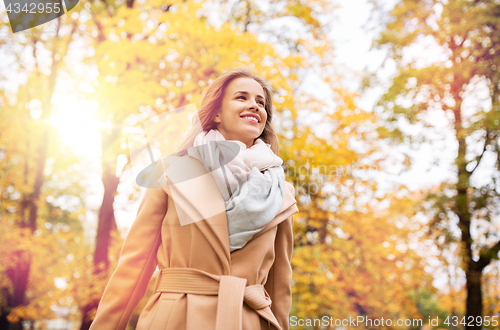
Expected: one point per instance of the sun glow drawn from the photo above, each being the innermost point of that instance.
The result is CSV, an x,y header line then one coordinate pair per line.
x,y
77,126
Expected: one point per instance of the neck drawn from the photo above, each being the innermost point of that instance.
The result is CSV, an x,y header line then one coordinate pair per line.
x,y
248,144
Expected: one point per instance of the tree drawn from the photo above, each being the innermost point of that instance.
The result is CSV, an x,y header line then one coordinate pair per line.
x,y
359,259
465,36
27,155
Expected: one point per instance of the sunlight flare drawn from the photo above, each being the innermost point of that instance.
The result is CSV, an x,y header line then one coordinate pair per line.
x,y
77,126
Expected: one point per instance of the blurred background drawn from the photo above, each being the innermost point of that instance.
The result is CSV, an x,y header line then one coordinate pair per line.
x,y
388,114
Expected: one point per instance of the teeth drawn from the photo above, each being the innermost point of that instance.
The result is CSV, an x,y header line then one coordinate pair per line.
x,y
251,118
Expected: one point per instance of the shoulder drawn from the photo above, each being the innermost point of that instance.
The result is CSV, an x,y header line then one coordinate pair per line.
x,y
153,175
290,187
169,160
176,170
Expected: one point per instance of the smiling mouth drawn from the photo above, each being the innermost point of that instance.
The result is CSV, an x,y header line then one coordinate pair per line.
x,y
250,119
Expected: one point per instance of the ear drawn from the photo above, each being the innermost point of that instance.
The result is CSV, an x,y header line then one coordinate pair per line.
x,y
217,118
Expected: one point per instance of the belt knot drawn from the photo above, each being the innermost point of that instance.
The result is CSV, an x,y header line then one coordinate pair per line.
x,y
232,291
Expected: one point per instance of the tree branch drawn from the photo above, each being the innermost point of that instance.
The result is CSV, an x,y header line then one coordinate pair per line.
x,y
487,141
486,255
100,30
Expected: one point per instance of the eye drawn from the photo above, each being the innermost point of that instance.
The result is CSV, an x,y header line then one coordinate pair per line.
x,y
241,97
261,103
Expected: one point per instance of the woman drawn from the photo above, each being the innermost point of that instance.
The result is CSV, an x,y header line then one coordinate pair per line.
x,y
222,266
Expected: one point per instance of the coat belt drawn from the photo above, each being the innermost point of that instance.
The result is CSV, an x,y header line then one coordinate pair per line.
x,y
232,292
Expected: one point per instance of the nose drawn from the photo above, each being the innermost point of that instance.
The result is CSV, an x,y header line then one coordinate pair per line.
x,y
254,105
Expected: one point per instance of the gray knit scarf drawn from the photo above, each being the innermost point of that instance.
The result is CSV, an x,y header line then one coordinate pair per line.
x,y
251,181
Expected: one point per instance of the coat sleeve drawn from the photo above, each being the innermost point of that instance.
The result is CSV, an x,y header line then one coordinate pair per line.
x,y
136,265
279,280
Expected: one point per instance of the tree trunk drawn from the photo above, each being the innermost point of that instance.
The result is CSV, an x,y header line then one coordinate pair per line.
x,y
19,274
474,296
474,304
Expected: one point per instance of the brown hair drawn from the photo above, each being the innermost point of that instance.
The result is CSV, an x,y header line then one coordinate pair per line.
x,y
211,104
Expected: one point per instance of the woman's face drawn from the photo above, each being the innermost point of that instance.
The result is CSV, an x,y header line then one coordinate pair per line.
x,y
242,115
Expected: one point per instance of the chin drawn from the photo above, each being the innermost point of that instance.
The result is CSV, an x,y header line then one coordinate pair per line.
x,y
248,134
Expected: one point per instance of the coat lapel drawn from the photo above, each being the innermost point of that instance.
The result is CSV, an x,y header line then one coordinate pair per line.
x,y
198,200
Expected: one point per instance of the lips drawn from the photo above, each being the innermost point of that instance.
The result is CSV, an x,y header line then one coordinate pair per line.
x,y
251,115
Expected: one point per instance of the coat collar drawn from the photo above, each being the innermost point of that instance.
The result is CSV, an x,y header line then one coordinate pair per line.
x,y
198,200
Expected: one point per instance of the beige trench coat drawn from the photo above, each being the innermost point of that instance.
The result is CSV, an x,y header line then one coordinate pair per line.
x,y
247,289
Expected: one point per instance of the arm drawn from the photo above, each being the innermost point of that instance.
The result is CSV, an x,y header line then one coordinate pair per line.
x,y
279,280
136,265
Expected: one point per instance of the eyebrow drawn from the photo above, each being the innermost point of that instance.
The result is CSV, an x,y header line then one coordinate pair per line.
x,y
244,92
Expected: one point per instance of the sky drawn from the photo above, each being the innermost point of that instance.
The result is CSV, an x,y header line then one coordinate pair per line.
x,y
353,46
353,51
